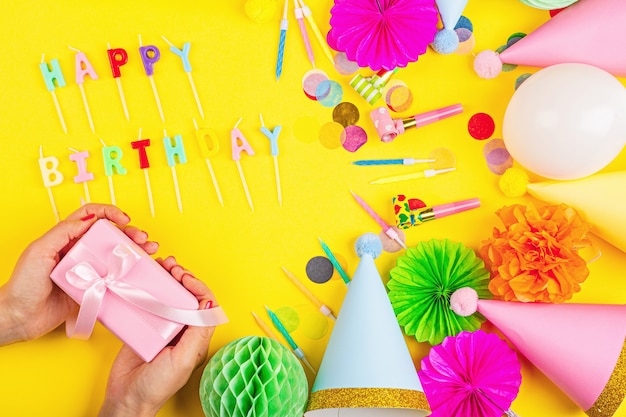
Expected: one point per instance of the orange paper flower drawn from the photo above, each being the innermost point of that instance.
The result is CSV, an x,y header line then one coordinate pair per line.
x,y
535,258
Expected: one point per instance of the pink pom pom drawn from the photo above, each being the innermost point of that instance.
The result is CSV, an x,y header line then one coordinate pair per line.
x,y
487,64
464,301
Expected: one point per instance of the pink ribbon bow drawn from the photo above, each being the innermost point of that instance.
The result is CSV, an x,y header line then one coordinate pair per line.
x,y
83,276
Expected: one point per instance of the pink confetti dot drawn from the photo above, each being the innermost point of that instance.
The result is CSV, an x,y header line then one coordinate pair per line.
x,y
353,137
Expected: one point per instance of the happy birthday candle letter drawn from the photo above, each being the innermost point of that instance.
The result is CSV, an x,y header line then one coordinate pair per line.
x,y
53,77
209,147
112,156
84,67
80,158
51,176
273,137
140,145
175,153
184,56
150,55
117,58
239,143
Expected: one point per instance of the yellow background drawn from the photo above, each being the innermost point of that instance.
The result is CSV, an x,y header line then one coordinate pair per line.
x,y
238,253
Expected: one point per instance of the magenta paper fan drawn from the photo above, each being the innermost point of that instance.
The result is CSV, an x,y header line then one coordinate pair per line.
x,y
382,34
471,374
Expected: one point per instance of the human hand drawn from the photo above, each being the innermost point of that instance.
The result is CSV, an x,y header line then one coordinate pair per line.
x,y
137,388
31,305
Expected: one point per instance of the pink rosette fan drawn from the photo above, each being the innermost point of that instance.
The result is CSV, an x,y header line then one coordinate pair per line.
x,y
471,374
382,34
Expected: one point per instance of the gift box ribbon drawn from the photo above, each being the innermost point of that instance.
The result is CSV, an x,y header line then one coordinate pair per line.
x,y
84,276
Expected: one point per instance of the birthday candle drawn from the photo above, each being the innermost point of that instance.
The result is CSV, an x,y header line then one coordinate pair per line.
x,y
111,156
51,176
273,137
184,56
306,11
209,146
305,36
266,329
117,58
83,175
150,55
317,303
335,262
140,145
84,67
389,231
173,153
53,77
239,143
284,25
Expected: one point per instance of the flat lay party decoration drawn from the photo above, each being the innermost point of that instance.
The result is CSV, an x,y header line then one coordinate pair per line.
x,y
349,383
53,77
120,285
83,68
471,374
382,34
144,163
572,36
111,158
150,55
253,376
595,198
117,58
209,147
83,177
563,132
239,144
579,347
175,154
51,176
183,54
421,284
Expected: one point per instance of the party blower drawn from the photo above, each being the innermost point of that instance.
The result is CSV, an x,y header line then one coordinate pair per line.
x,y
388,128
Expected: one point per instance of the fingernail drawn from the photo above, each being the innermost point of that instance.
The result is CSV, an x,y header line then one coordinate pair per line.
x,y
208,305
88,217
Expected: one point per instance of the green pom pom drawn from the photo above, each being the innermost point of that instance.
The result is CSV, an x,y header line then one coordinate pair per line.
x,y
422,282
253,377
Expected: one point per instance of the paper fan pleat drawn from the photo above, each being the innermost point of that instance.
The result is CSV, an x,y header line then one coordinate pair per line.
x,y
471,374
422,282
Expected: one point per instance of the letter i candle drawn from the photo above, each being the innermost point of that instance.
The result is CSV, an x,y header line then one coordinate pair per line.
x,y
83,175
117,58
239,143
144,164
53,77
150,55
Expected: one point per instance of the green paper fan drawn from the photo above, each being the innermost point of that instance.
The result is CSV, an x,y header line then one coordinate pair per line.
x,y
253,377
422,282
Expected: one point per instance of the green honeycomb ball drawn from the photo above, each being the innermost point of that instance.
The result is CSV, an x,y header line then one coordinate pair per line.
x,y
253,377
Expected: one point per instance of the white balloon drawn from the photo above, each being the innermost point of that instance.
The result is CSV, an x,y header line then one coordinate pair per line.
x,y
566,121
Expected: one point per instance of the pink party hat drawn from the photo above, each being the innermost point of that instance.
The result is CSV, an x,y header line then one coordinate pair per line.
x,y
588,32
579,347
367,370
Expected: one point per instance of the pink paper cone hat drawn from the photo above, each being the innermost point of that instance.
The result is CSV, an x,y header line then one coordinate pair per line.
x,y
588,32
367,370
579,347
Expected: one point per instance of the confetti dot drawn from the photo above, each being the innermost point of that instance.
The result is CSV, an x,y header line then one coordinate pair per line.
x,y
260,11
399,98
481,126
513,182
319,269
465,23
330,135
346,114
313,324
311,81
463,34
521,79
329,93
514,38
305,129
288,317
466,46
344,66
497,156
353,137
390,245
444,158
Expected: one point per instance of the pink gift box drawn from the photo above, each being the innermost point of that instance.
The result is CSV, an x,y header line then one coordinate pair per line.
x,y
102,250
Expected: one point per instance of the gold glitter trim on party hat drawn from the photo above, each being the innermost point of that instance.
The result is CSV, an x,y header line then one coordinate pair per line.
x,y
367,398
614,392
